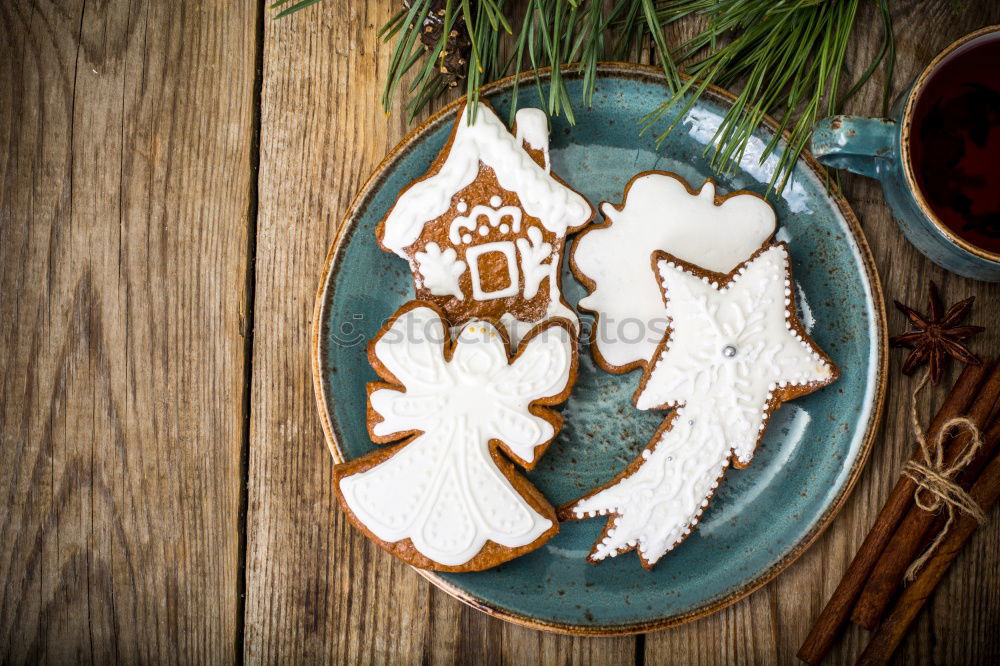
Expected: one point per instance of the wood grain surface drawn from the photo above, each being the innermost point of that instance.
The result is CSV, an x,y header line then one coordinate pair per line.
x,y
124,194
171,175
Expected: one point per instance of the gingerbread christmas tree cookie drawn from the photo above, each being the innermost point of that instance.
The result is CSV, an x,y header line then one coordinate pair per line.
x,y
462,412
484,229
733,352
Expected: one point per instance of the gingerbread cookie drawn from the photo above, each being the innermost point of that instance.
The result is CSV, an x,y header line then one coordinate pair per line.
x,y
733,352
484,228
447,496
659,212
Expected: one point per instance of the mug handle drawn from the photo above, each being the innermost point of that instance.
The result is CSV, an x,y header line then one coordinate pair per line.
x,y
861,145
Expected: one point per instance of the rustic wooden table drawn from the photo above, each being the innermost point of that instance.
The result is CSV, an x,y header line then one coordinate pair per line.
x,y
171,176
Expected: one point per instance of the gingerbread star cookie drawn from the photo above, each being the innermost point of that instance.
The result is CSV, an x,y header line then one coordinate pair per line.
x,y
733,352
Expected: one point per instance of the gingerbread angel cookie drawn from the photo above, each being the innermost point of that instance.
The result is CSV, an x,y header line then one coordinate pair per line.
x,y
446,496
483,230
659,212
734,351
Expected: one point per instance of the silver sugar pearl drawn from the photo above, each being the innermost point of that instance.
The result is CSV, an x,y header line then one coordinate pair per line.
x,y
729,351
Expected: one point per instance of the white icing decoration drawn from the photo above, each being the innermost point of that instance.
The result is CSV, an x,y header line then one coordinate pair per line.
x,y
656,506
443,490
439,271
495,201
660,214
723,398
466,238
492,215
462,206
483,230
485,141
475,252
517,328
505,228
533,129
533,253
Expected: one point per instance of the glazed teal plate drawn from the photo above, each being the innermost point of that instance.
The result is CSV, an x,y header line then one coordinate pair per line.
x,y
763,517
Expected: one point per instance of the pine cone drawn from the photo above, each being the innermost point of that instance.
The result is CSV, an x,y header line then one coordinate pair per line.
x,y
454,63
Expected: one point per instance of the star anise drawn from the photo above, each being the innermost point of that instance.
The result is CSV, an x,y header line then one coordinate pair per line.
x,y
937,335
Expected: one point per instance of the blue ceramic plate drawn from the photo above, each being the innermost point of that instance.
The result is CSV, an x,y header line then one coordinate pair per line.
x,y
762,518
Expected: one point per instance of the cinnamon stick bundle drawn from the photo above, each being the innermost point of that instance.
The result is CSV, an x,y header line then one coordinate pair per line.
x,y
891,632
823,634
908,539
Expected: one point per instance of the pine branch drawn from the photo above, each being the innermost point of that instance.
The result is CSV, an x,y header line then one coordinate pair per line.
x,y
787,56
784,58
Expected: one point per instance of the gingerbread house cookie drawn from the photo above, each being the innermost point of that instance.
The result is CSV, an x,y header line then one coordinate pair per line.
x,y
484,229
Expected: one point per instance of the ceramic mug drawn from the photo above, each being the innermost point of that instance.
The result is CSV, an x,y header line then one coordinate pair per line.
x,y
880,148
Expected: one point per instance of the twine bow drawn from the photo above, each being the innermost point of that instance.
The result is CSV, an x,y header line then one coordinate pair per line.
x,y
936,487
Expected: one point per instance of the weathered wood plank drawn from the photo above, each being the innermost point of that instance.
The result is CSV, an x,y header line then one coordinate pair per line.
x,y
316,588
770,625
124,177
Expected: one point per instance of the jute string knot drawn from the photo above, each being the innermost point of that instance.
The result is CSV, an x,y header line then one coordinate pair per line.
x,y
936,487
